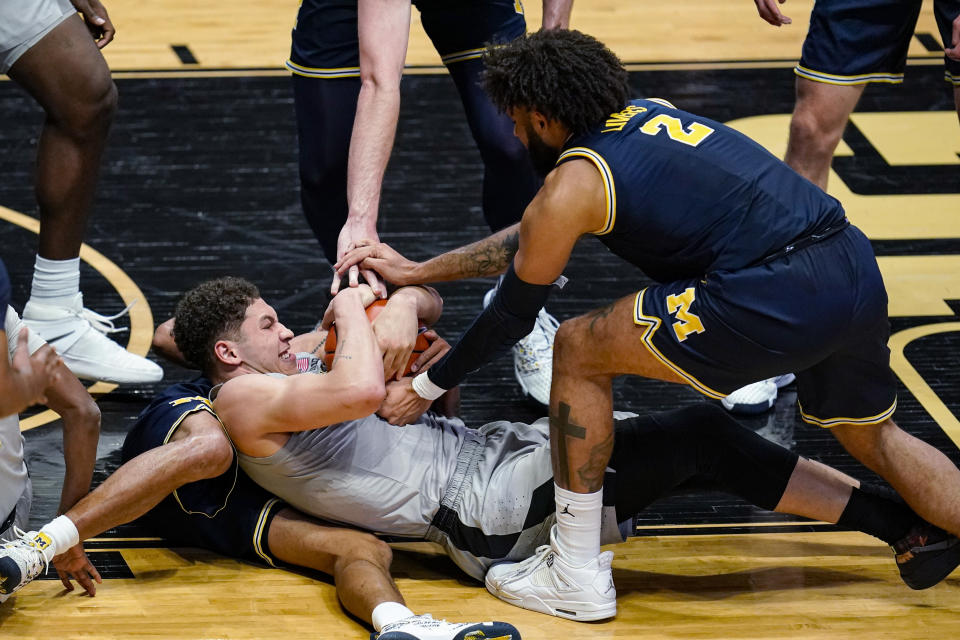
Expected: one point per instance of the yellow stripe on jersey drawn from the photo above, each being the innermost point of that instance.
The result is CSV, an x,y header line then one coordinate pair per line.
x,y
259,532
661,101
609,189
651,324
311,72
833,422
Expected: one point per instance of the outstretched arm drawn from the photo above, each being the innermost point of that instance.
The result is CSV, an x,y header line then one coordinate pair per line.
x,y
383,27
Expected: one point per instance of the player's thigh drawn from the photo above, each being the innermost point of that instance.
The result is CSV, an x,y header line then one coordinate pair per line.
x,y
297,539
607,342
65,71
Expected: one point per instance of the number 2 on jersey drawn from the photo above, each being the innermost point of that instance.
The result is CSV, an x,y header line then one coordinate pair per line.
x,y
692,135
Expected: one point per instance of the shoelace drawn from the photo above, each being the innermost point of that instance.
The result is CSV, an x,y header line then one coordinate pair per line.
x,y
525,566
104,324
19,539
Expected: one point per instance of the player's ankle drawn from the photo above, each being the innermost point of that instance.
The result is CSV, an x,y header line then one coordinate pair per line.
x,y
577,536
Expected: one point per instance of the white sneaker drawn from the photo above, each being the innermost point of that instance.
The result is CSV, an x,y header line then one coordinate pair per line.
x,y
426,628
547,583
78,335
533,355
22,560
757,397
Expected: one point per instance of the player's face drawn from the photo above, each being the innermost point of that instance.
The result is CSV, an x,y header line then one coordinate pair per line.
x,y
264,343
542,155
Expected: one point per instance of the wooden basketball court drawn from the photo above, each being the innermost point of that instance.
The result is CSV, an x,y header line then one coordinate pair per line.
x,y
200,180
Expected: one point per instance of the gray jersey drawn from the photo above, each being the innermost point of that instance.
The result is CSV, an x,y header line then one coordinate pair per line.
x,y
484,494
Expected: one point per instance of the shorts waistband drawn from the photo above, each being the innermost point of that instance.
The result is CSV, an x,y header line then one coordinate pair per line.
x,y
804,242
469,457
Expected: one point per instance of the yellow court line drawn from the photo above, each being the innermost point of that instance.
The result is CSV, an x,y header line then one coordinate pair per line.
x,y
141,318
915,383
731,525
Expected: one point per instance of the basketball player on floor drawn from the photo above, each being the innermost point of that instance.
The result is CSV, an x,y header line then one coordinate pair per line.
x,y
46,48
436,479
849,45
347,59
180,469
760,274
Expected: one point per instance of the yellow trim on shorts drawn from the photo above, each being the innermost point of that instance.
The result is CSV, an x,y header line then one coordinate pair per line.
x,y
259,530
651,324
463,56
863,78
835,422
609,189
661,101
326,74
952,79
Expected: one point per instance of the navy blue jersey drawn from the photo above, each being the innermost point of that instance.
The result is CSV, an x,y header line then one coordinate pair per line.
x,y
687,196
155,426
4,288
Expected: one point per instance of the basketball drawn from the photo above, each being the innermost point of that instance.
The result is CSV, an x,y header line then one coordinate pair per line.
x,y
373,310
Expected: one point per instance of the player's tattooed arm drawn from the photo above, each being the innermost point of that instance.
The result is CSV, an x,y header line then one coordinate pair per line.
x,y
488,257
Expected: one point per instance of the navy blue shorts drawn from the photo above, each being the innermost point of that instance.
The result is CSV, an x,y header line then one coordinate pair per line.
x,y
229,514
325,45
820,312
859,41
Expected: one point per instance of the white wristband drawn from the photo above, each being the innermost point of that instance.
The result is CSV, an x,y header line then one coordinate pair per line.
x,y
426,389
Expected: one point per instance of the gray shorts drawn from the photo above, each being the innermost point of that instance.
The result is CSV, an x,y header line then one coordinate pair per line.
x,y
498,505
22,517
23,23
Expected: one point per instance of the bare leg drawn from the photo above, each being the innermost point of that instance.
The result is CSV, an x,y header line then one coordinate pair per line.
x,y
68,77
589,351
816,491
358,562
924,476
818,121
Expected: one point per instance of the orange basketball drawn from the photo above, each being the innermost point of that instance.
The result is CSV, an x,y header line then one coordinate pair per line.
x,y
330,346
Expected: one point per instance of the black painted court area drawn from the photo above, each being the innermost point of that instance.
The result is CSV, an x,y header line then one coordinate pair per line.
x,y
200,180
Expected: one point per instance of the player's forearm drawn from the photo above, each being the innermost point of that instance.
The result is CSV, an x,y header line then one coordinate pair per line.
x,y
488,257
374,128
428,304
81,431
556,14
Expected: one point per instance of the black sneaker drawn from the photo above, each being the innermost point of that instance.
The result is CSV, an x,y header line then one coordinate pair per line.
x,y
926,555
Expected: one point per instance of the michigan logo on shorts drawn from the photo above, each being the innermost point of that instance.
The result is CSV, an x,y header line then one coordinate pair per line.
x,y
687,322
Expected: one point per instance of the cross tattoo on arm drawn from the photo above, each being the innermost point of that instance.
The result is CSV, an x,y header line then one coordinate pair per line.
x,y
562,426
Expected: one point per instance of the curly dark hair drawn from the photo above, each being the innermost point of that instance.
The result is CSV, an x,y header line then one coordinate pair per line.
x,y
565,75
210,311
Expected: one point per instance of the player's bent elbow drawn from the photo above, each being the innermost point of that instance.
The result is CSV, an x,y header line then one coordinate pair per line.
x,y
210,455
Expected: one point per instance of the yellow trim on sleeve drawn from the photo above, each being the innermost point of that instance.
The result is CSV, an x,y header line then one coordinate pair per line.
x,y
609,188
662,101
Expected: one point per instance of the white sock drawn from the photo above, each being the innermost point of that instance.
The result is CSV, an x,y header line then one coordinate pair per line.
x,y
62,532
389,612
55,281
578,525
